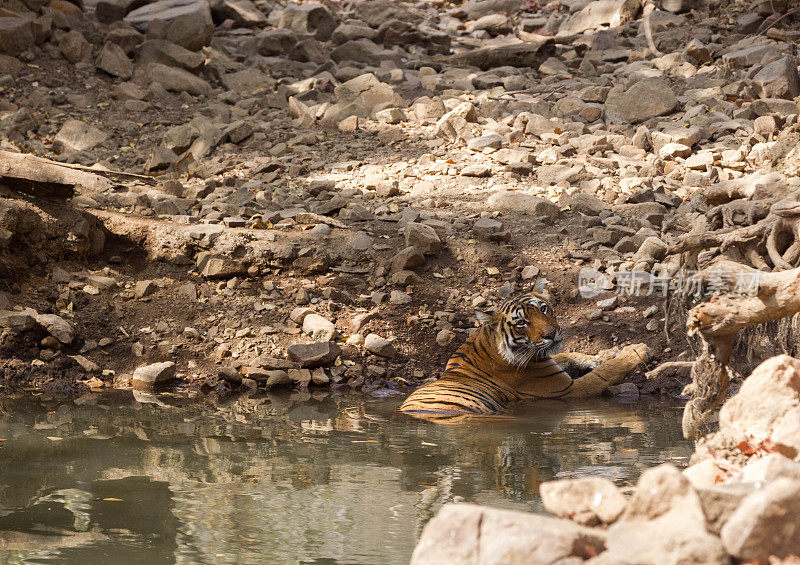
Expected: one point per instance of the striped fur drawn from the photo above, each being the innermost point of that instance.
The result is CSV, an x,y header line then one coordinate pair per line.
x,y
512,357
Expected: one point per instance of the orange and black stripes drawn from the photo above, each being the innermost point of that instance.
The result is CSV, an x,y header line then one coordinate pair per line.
x,y
507,359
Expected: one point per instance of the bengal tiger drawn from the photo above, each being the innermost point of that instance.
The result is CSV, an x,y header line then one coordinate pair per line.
x,y
514,356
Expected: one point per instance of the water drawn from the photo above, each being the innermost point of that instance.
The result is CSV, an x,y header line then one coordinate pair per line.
x,y
287,479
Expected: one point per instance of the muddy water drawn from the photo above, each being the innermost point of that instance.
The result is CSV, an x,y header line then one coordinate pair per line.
x,y
287,479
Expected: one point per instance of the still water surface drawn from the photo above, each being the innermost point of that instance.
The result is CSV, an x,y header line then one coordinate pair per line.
x,y
287,479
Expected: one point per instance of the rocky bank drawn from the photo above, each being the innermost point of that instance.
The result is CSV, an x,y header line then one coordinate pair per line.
x,y
280,194
739,501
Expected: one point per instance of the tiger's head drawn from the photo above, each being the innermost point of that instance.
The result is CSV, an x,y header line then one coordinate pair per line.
x,y
525,329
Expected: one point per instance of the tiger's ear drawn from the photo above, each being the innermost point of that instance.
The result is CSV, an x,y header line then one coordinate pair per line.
x,y
538,286
485,316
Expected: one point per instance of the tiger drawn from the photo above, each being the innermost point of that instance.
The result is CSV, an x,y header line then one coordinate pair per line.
x,y
513,356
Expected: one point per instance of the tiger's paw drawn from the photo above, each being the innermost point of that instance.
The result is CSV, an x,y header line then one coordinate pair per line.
x,y
616,369
577,364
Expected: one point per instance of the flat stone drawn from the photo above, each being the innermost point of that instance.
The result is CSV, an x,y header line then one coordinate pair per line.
x,y
76,135
177,80
167,53
646,99
520,202
17,322
312,355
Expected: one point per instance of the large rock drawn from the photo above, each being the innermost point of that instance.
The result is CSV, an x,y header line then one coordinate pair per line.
x,y
312,355
16,35
644,100
765,410
109,11
148,377
167,53
379,345
664,523
76,135
600,13
17,322
177,80
362,96
522,203
273,42
247,81
313,19
766,523
779,79
422,237
363,51
185,22
242,12
588,501
456,124
466,534
74,47
113,60
318,327
57,327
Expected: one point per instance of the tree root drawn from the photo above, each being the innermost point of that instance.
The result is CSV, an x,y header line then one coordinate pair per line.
x,y
717,321
770,240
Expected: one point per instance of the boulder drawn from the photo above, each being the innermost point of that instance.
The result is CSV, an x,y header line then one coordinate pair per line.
x,y
455,124
74,47
423,238
185,22
466,534
242,12
363,51
312,355
177,80
16,34
313,19
522,203
76,135
17,322
362,96
766,408
318,327
664,523
113,60
148,377
110,11
57,327
170,54
379,345
408,258
588,501
600,13
778,79
766,523
247,81
646,99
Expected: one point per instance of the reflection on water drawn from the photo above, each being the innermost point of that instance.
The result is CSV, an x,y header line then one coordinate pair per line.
x,y
287,479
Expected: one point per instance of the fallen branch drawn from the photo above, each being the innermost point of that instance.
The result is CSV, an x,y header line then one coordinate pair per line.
x,y
43,177
526,54
718,320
